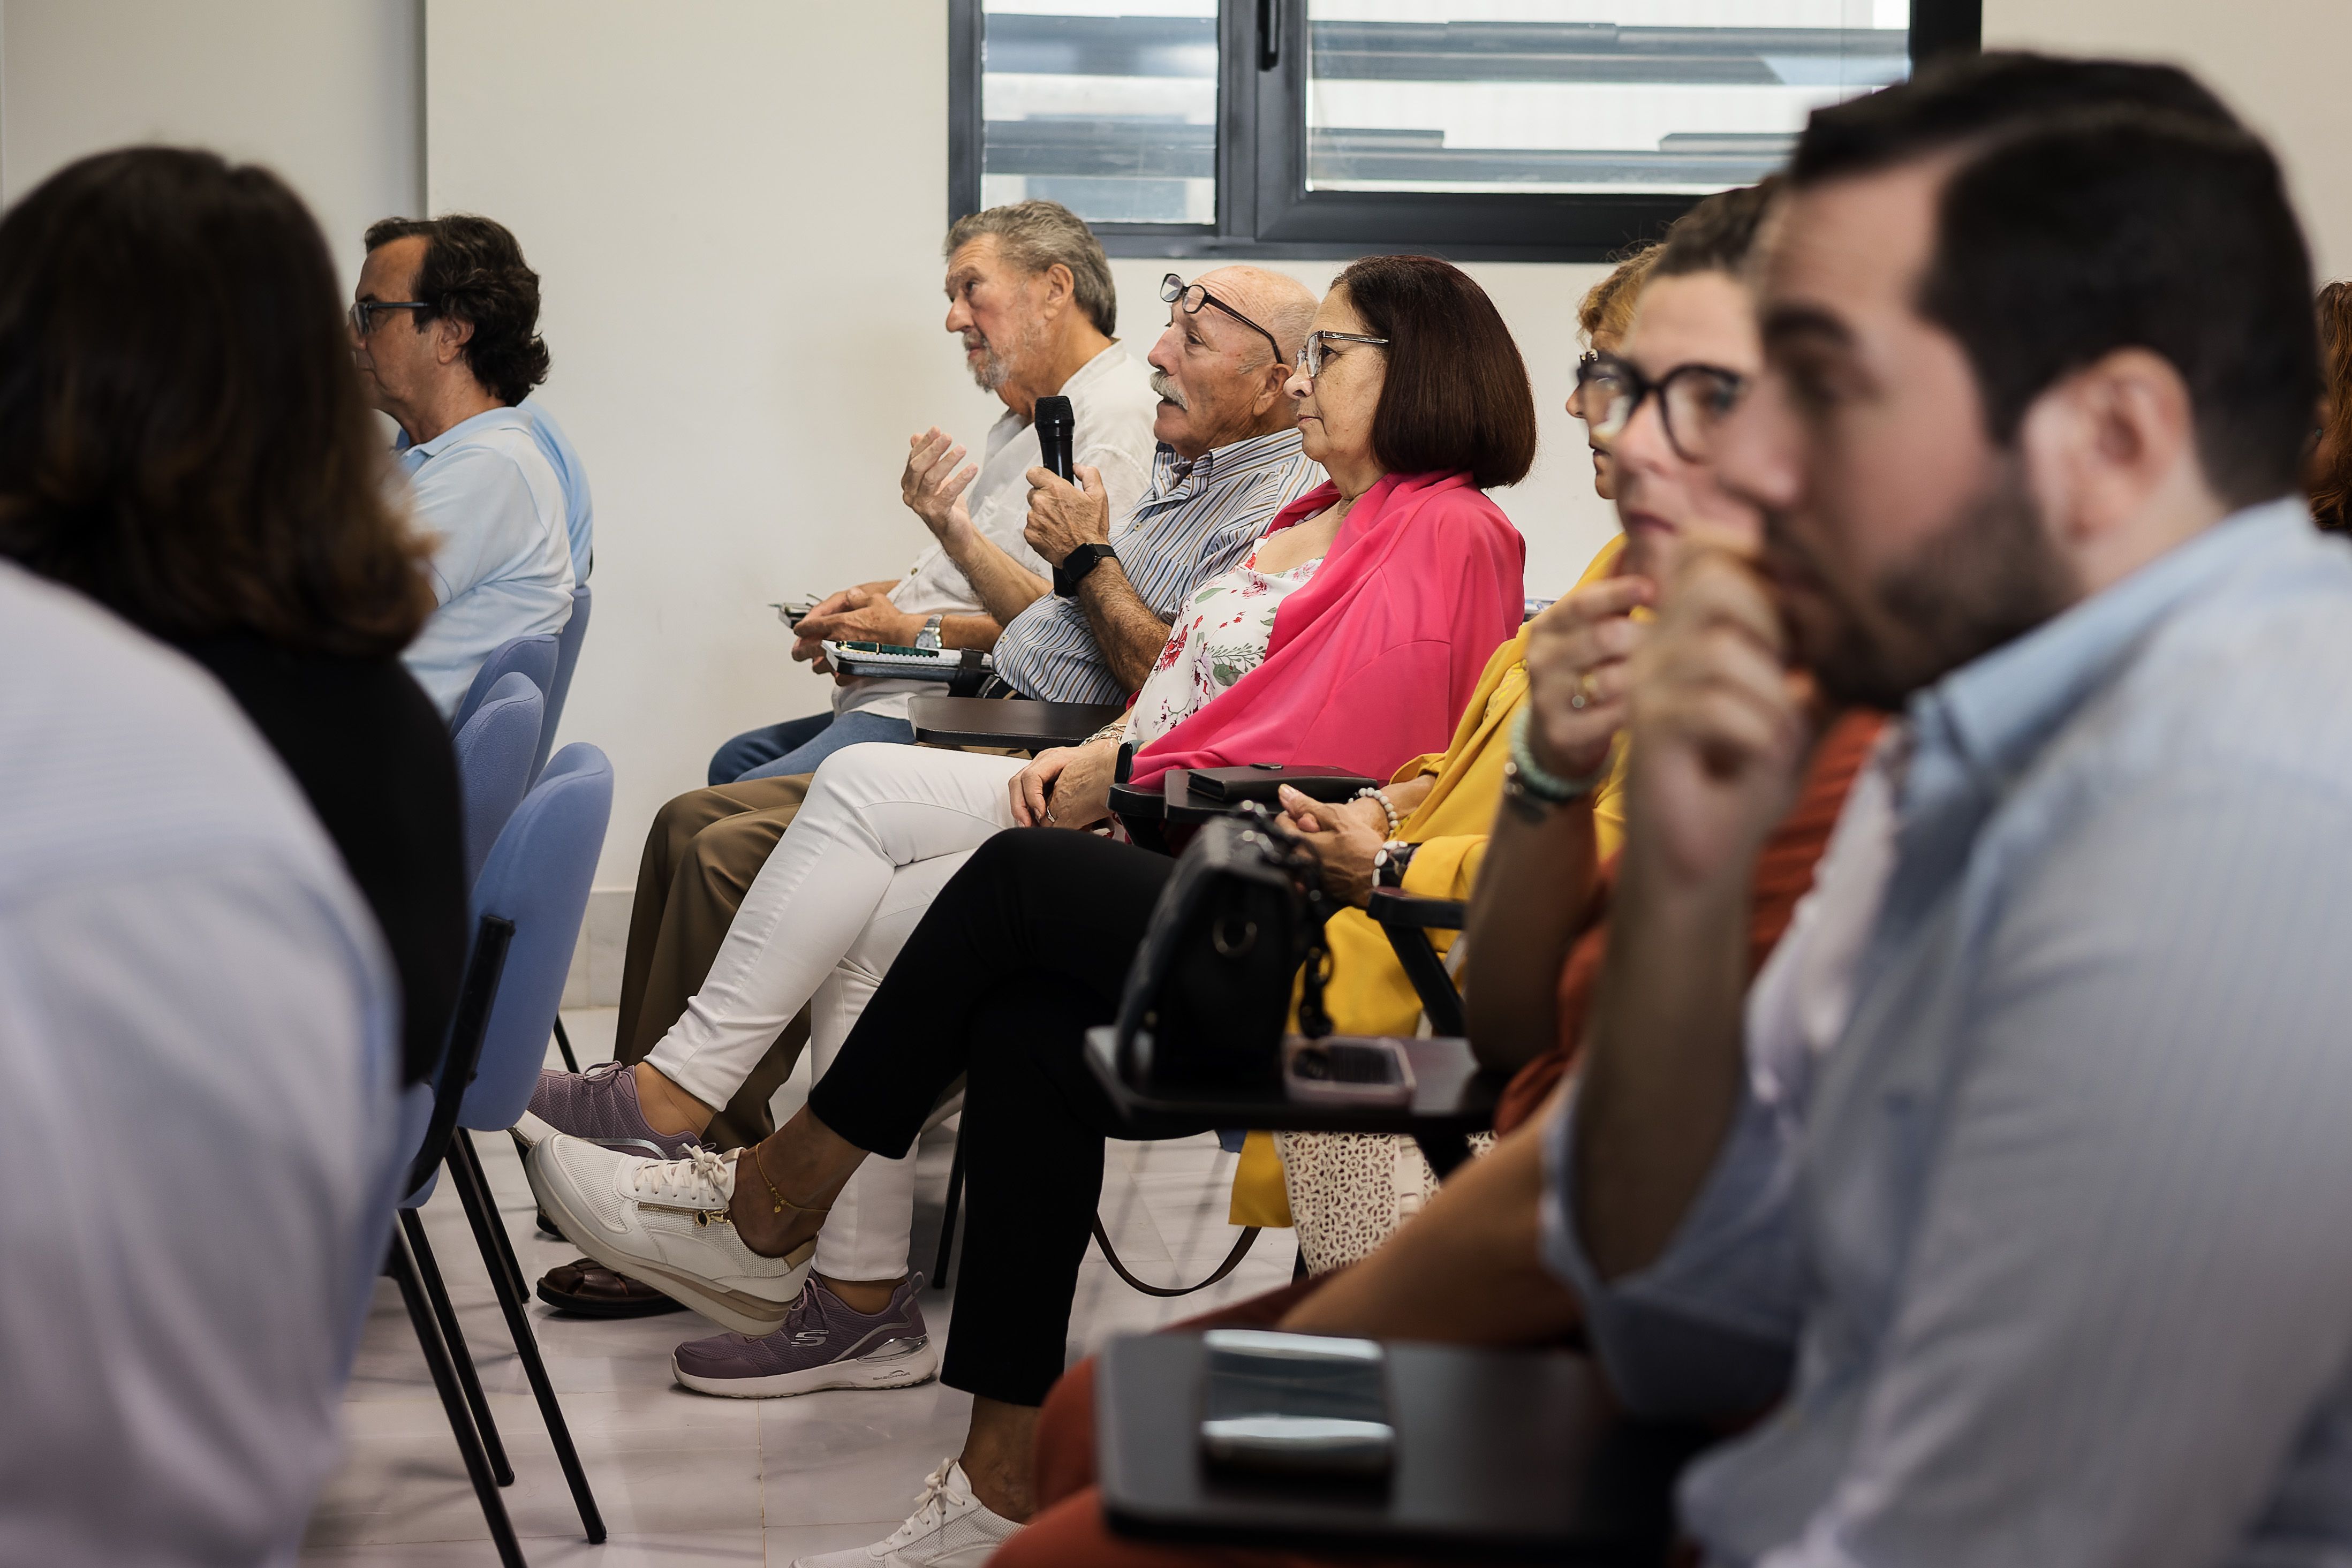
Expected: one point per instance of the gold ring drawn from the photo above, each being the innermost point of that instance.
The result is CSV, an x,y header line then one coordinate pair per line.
x,y
1584,693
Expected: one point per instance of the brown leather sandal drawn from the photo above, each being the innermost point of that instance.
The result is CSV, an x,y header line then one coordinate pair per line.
x,y
589,1290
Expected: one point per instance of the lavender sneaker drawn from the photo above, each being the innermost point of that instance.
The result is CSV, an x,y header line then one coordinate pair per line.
x,y
599,1105
823,1344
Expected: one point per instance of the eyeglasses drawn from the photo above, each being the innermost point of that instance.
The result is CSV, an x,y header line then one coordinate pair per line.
x,y
1693,401
1193,296
362,315
1311,356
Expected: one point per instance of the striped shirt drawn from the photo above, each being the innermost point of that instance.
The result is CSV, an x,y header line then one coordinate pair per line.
x,y
1196,521
2054,1236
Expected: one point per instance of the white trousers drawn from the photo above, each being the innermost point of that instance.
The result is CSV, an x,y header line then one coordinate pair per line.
x,y
881,831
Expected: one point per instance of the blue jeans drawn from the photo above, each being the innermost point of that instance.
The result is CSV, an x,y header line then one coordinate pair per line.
x,y
798,745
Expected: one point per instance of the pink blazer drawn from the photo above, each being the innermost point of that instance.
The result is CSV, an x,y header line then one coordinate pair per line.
x,y
1373,660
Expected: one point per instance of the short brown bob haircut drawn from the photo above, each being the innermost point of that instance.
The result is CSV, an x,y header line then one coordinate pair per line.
x,y
182,436
1456,396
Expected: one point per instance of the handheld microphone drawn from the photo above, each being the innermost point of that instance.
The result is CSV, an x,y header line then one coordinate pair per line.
x,y
1056,427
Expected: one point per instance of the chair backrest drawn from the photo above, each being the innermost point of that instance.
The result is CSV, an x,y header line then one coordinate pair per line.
x,y
532,657
537,876
495,762
567,657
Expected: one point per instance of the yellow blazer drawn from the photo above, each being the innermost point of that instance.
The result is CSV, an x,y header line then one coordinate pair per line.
x,y
1367,992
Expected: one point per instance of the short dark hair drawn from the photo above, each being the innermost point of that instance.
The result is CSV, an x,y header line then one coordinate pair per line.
x,y
1717,235
2105,206
1456,394
474,271
1964,98
183,435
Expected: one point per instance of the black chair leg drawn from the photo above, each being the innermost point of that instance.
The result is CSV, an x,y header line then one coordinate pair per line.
x,y
463,1154
402,1266
948,1219
563,1044
429,1270
490,1235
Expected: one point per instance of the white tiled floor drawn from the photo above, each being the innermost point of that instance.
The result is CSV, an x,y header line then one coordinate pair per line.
x,y
685,1479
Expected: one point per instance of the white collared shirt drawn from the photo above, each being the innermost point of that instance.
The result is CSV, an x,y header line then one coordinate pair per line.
x,y
1112,405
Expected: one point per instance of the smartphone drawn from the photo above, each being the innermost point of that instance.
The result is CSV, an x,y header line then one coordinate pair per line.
x,y
1297,1405
1347,1070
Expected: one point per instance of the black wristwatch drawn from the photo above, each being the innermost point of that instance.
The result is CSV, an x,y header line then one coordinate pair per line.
x,y
1075,565
1388,863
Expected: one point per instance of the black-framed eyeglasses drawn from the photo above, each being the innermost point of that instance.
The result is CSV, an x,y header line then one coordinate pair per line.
x,y
1193,296
362,315
1312,353
1693,401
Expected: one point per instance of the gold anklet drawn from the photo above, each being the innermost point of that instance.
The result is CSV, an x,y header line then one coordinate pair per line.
x,y
782,1203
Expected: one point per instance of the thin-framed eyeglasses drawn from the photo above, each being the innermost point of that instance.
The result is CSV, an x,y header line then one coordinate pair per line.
x,y
1312,353
1194,297
1694,399
362,315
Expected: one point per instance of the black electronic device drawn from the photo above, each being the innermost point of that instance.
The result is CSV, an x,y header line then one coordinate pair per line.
x,y
1347,1070
1297,1405
1263,781
1056,435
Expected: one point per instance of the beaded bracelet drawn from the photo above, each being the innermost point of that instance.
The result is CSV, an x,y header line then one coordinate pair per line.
x,y
1533,779
1386,805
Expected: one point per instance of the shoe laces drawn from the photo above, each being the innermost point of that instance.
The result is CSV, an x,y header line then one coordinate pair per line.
x,y
700,1178
940,1493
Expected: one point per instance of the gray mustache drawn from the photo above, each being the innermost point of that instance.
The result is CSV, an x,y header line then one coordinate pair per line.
x,y
1167,389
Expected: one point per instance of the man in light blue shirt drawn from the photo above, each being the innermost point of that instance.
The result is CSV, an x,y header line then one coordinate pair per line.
x,y
2046,1245
579,506
444,331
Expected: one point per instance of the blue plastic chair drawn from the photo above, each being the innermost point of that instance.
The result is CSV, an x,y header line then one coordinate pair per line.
x,y
538,877
495,763
567,658
537,880
532,657
428,1119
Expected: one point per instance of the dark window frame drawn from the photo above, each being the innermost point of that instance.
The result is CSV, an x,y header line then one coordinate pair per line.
x,y
1264,209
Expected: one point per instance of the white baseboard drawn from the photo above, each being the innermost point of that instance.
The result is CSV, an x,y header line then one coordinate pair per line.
x,y
594,981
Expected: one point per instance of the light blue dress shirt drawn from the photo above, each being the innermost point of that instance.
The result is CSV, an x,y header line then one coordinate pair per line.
x,y
1195,523
2058,1236
579,506
179,945
502,565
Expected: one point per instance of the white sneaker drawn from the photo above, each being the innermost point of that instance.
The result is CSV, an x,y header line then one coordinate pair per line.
x,y
949,1528
665,1222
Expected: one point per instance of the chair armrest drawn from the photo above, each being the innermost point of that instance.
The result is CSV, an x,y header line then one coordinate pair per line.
x,y
1388,906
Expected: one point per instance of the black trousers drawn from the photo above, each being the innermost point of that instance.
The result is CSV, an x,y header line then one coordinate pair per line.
x,y
1025,950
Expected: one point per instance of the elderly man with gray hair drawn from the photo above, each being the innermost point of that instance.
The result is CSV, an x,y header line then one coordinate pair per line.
x,y
1029,293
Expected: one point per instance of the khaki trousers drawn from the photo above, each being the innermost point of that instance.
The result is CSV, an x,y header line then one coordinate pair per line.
x,y
704,850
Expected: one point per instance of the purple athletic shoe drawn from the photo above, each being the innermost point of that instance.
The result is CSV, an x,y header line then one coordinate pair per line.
x,y
822,1345
600,1105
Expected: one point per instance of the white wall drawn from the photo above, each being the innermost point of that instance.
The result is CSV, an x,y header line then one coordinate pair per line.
x,y
323,91
736,206
737,209
2280,63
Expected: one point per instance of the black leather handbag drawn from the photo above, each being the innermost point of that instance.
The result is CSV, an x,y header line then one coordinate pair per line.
x,y
1208,991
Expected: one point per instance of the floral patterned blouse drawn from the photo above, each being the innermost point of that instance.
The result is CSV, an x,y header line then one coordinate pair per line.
x,y
1220,635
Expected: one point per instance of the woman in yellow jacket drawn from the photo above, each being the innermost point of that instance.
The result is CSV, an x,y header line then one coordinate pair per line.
x,y
1446,804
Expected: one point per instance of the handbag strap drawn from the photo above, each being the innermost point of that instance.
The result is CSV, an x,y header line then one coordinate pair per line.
x,y
1232,1261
